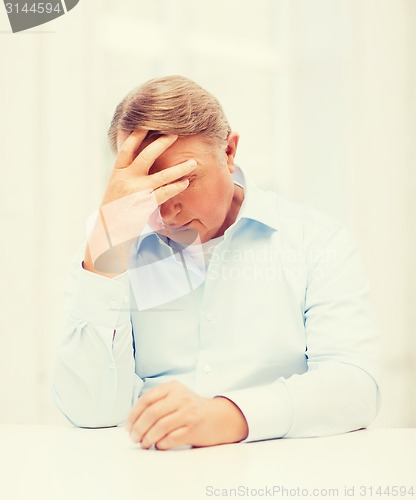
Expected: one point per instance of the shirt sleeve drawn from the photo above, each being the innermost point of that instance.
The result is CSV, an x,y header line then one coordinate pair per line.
x,y
94,381
339,391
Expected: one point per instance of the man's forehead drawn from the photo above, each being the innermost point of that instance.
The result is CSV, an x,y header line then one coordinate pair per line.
x,y
184,148
179,152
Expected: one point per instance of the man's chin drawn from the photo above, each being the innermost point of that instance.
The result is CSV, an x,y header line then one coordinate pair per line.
x,y
184,235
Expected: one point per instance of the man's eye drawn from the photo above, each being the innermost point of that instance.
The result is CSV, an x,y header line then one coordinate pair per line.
x,y
190,179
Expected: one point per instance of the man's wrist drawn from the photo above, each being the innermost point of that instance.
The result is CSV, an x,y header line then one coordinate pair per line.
x,y
230,420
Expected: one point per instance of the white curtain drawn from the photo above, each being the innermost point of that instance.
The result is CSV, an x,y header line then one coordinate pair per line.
x,y
322,93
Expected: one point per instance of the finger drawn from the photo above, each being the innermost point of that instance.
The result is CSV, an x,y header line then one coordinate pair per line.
x,y
144,401
145,159
126,152
178,437
171,174
164,426
167,192
151,415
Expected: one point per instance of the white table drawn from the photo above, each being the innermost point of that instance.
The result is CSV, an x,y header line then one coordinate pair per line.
x,y
52,462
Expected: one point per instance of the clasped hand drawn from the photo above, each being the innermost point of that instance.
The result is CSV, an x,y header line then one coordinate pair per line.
x,y
172,415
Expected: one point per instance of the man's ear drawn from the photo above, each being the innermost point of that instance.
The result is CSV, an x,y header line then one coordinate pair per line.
x,y
232,143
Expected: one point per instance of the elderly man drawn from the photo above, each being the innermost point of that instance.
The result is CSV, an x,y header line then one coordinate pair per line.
x,y
205,310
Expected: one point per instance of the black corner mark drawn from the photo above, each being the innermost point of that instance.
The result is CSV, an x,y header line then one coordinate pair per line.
x,y
70,4
26,14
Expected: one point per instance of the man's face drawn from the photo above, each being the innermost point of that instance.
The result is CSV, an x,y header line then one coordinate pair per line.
x,y
211,202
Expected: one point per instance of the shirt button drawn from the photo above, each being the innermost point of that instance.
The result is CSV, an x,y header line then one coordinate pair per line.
x,y
111,366
207,368
114,305
209,316
125,299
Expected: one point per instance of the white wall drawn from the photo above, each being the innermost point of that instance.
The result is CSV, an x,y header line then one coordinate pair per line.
x,y
322,92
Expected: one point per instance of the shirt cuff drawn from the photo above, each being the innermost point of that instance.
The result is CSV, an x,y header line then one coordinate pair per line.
x,y
101,300
268,410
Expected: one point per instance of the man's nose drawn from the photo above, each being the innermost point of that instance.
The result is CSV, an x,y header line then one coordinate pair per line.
x,y
170,209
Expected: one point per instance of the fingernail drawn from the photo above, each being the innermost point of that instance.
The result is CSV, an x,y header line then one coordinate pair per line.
x,y
134,437
191,163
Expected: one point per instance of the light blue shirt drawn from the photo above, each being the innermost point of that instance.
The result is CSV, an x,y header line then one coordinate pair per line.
x,y
279,323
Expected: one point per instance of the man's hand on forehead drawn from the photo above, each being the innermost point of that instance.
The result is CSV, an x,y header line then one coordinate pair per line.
x,y
150,137
133,193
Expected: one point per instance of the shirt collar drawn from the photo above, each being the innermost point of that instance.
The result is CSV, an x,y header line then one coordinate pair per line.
x,y
258,205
